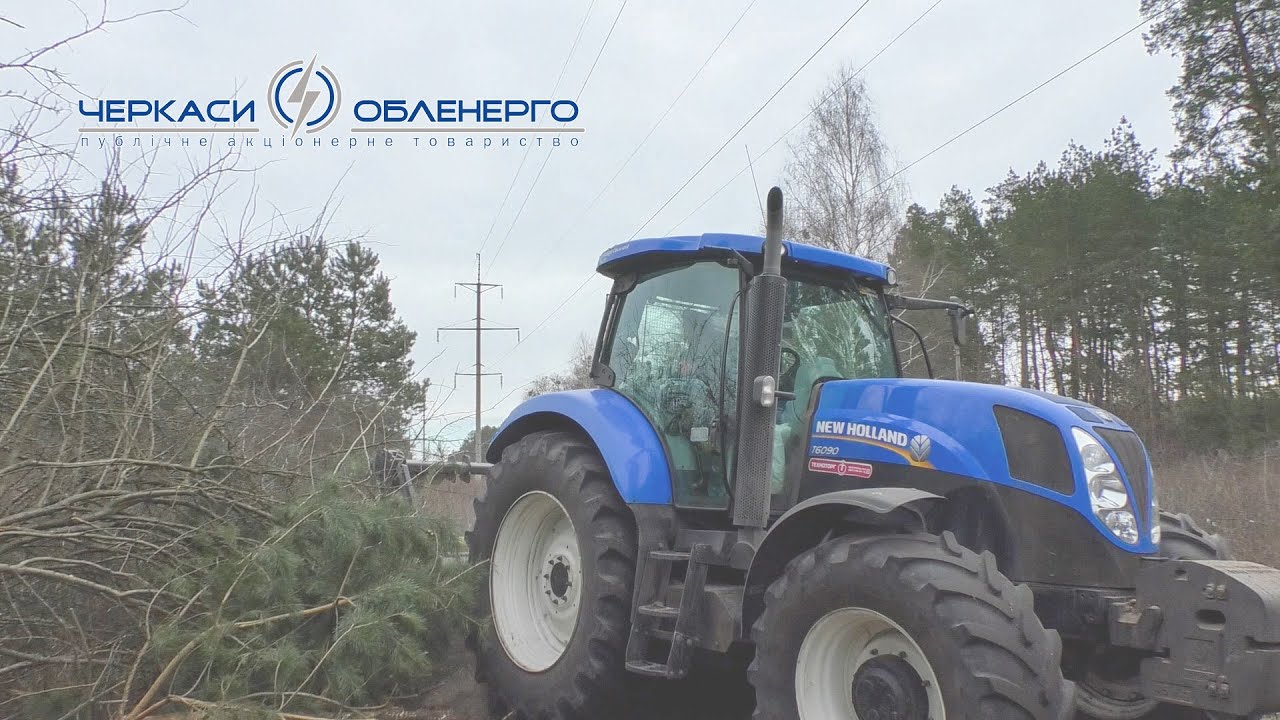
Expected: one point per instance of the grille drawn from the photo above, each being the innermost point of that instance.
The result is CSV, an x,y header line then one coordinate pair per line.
x,y
1035,450
1133,460
1084,413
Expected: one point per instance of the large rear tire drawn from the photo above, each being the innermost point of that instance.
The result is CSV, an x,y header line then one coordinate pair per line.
x,y
561,551
1182,539
911,626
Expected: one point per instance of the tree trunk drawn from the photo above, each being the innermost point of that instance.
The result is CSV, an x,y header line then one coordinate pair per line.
x,y
1258,101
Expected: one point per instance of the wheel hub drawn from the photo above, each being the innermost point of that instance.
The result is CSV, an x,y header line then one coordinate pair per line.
x,y
557,581
888,688
858,664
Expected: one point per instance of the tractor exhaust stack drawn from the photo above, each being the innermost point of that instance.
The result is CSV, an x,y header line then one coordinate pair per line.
x,y
773,234
757,397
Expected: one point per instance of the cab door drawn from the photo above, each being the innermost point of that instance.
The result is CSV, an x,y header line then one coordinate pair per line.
x,y
674,353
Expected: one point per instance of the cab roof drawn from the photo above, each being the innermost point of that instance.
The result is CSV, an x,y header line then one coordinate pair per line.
x,y
613,260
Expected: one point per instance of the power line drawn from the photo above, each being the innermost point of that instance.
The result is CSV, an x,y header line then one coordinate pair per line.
x,y
1013,102
603,45
661,118
625,163
932,152
565,66
514,389
775,94
516,219
547,159
588,279
576,39
940,147
503,204
759,110
814,109
550,315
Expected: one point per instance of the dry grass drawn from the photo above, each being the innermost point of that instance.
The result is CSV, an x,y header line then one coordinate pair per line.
x,y
1235,496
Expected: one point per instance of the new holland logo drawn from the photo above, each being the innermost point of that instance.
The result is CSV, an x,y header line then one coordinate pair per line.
x,y
919,448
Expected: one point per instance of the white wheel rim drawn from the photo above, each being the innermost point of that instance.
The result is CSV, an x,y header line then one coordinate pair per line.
x,y
535,581
837,646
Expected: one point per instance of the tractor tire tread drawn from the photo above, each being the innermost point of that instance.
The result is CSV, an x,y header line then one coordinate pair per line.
x,y
990,625
1180,533
589,679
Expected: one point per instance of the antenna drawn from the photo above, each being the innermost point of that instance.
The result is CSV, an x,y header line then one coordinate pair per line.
x,y
754,183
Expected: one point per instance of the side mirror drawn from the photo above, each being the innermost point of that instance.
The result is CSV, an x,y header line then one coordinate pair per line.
x,y
958,327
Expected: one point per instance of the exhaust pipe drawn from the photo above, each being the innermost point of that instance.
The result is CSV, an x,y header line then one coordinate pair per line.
x,y
757,395
773,234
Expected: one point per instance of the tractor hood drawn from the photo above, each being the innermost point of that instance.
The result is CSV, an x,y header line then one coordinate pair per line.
x,y
1010,436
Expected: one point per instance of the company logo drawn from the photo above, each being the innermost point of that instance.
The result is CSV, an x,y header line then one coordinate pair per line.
x,y
920,448
860,432
913,448
843,468
304,97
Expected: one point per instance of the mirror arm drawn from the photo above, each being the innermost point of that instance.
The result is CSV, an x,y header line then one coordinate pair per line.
x,y
902,302
924,350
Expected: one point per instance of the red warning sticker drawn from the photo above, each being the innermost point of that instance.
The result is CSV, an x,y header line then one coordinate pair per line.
x,y
844,468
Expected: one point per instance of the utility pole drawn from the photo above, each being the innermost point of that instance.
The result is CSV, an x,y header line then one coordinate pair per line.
x,y
479,328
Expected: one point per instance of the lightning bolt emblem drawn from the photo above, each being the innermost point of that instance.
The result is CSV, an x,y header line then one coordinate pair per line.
x,y
302,95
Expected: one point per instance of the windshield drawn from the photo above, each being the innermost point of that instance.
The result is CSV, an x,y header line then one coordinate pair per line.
x,y
835,331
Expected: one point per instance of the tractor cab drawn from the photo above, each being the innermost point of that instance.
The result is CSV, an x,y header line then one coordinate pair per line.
x,y
671,341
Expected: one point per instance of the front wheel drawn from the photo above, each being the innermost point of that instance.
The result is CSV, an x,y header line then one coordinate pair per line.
x,y
914,627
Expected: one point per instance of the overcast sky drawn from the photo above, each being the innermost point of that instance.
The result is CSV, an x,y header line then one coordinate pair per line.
x,y
427,211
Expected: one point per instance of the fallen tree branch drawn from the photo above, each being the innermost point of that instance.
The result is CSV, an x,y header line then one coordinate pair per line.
x,y
143,706
129,596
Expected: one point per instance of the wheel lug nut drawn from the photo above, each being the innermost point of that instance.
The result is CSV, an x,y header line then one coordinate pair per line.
x,y
903,655
875,651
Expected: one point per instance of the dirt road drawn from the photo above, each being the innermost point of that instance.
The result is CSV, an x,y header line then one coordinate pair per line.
x,y
709,694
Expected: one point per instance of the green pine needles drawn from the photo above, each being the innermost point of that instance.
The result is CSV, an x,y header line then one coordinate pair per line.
x,y
339,604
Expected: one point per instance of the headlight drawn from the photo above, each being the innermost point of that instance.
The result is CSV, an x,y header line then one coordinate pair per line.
x,y
1108,496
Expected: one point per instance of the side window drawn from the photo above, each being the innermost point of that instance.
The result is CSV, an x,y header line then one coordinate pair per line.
x,y
667,355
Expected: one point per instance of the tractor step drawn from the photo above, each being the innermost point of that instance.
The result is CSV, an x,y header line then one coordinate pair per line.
x,y
652,669
670,555
658,610
654,622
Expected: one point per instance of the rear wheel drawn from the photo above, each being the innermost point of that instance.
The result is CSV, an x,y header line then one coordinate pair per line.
x,y
561,549
911,627
1110,688
1182,539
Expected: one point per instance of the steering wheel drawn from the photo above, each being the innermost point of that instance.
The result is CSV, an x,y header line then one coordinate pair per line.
x,y
789,367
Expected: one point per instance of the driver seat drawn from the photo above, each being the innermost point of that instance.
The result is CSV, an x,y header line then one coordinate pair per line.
x,y
793,417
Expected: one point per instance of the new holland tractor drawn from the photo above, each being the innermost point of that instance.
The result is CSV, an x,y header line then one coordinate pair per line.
x,y
752,472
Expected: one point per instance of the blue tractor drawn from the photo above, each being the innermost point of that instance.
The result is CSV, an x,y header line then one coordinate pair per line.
x,y
751,472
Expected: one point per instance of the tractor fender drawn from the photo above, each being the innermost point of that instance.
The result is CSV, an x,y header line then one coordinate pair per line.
x,y
811,522
623,435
